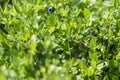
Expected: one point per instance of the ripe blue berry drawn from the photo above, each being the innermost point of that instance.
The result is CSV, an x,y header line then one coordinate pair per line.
x,y
94,33
79,56
73,52
105,63
51,9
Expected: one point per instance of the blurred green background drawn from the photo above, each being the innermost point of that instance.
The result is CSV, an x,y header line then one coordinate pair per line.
x,y
77,41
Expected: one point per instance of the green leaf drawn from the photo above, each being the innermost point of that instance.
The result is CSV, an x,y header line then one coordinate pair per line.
x,y
51,29
86,12
93,44
106,77
17,8
1,50
90,71
33,44
118,56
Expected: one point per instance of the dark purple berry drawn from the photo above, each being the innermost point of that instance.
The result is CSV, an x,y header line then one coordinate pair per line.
x,y
79,56
81,45
73,52
51,9
94,33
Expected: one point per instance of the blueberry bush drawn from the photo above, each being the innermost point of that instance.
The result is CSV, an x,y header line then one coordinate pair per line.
x,y
60,40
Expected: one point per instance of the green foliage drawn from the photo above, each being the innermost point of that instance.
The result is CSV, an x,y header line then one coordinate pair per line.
x,y
39,44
